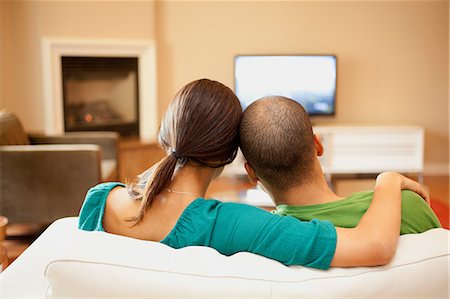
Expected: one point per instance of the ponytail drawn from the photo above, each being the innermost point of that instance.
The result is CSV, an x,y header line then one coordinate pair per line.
x,y
200,127
159,180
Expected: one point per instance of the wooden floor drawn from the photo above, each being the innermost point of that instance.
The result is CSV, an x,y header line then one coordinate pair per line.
x,y
135,158
438,186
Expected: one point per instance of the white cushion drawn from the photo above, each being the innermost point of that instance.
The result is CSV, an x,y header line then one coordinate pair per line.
x,y
94,264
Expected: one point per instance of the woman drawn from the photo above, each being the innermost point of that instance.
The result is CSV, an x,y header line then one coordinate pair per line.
x,y
166,203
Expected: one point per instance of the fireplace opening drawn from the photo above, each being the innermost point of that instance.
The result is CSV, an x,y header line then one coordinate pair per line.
x,y
101,94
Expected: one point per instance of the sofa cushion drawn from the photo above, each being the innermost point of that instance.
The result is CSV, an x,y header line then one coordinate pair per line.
x,y
11,130
96,264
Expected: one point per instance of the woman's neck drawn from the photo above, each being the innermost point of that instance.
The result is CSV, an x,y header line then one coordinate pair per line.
x,y
192,180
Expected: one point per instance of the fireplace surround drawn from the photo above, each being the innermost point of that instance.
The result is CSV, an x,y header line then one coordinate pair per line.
x,y
53,51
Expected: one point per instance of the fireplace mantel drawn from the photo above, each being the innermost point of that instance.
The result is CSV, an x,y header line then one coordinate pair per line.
x,y
54,48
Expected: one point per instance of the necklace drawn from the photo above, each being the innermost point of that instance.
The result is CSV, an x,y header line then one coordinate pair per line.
x,y
182,193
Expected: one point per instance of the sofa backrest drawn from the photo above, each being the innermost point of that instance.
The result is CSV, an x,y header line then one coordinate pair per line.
x,y
11,130
97,264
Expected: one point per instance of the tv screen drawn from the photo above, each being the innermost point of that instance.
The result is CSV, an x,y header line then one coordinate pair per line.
x,y
309,80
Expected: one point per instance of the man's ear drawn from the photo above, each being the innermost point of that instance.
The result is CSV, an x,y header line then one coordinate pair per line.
x,y
251,174
318,145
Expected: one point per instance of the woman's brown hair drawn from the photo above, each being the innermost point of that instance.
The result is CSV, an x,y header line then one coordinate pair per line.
x,y
200,126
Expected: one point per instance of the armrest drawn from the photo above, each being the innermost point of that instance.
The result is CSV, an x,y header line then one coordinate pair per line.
x,y
108,141
41,183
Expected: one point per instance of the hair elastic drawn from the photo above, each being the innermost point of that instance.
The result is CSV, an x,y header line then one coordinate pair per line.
x,y
176,155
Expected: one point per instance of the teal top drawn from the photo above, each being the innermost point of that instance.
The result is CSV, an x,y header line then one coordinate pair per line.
x,y
417,216
230,228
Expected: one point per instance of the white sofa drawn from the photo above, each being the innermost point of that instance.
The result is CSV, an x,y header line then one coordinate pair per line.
x,y
65,262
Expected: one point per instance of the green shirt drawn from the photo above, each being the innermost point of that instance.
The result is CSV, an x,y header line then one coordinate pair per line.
x,y
230,228
417,216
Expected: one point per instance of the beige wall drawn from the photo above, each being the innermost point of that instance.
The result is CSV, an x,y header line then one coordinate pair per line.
x,y
392,56
22,86
1,54
4,49
28,22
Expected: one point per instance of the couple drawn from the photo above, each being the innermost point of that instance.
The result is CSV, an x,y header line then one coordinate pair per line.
x,y
200,133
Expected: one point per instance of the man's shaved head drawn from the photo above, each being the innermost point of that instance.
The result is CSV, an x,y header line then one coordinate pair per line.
x,y
278,142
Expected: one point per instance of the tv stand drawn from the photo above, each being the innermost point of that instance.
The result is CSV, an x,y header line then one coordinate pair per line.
x,y
371,149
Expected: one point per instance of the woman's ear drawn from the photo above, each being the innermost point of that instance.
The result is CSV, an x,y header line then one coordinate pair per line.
x,y
251,174
318,145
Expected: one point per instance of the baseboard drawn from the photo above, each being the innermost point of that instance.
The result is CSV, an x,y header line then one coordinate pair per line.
x,y
436,169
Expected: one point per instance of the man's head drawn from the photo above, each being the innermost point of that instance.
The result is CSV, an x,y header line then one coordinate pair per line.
x,y
278,143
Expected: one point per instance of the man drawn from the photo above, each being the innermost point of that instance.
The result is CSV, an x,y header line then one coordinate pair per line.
x,y
282,154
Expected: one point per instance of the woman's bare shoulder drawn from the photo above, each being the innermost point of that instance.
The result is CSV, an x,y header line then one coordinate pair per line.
x,y
119,207
119,198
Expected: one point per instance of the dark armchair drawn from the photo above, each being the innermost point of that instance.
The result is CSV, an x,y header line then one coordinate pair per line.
x,y
43,178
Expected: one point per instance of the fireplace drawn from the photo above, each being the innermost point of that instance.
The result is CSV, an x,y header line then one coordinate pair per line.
x,y
109,84
101,94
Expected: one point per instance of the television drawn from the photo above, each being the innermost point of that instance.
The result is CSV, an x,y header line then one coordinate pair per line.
x,y
307,79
